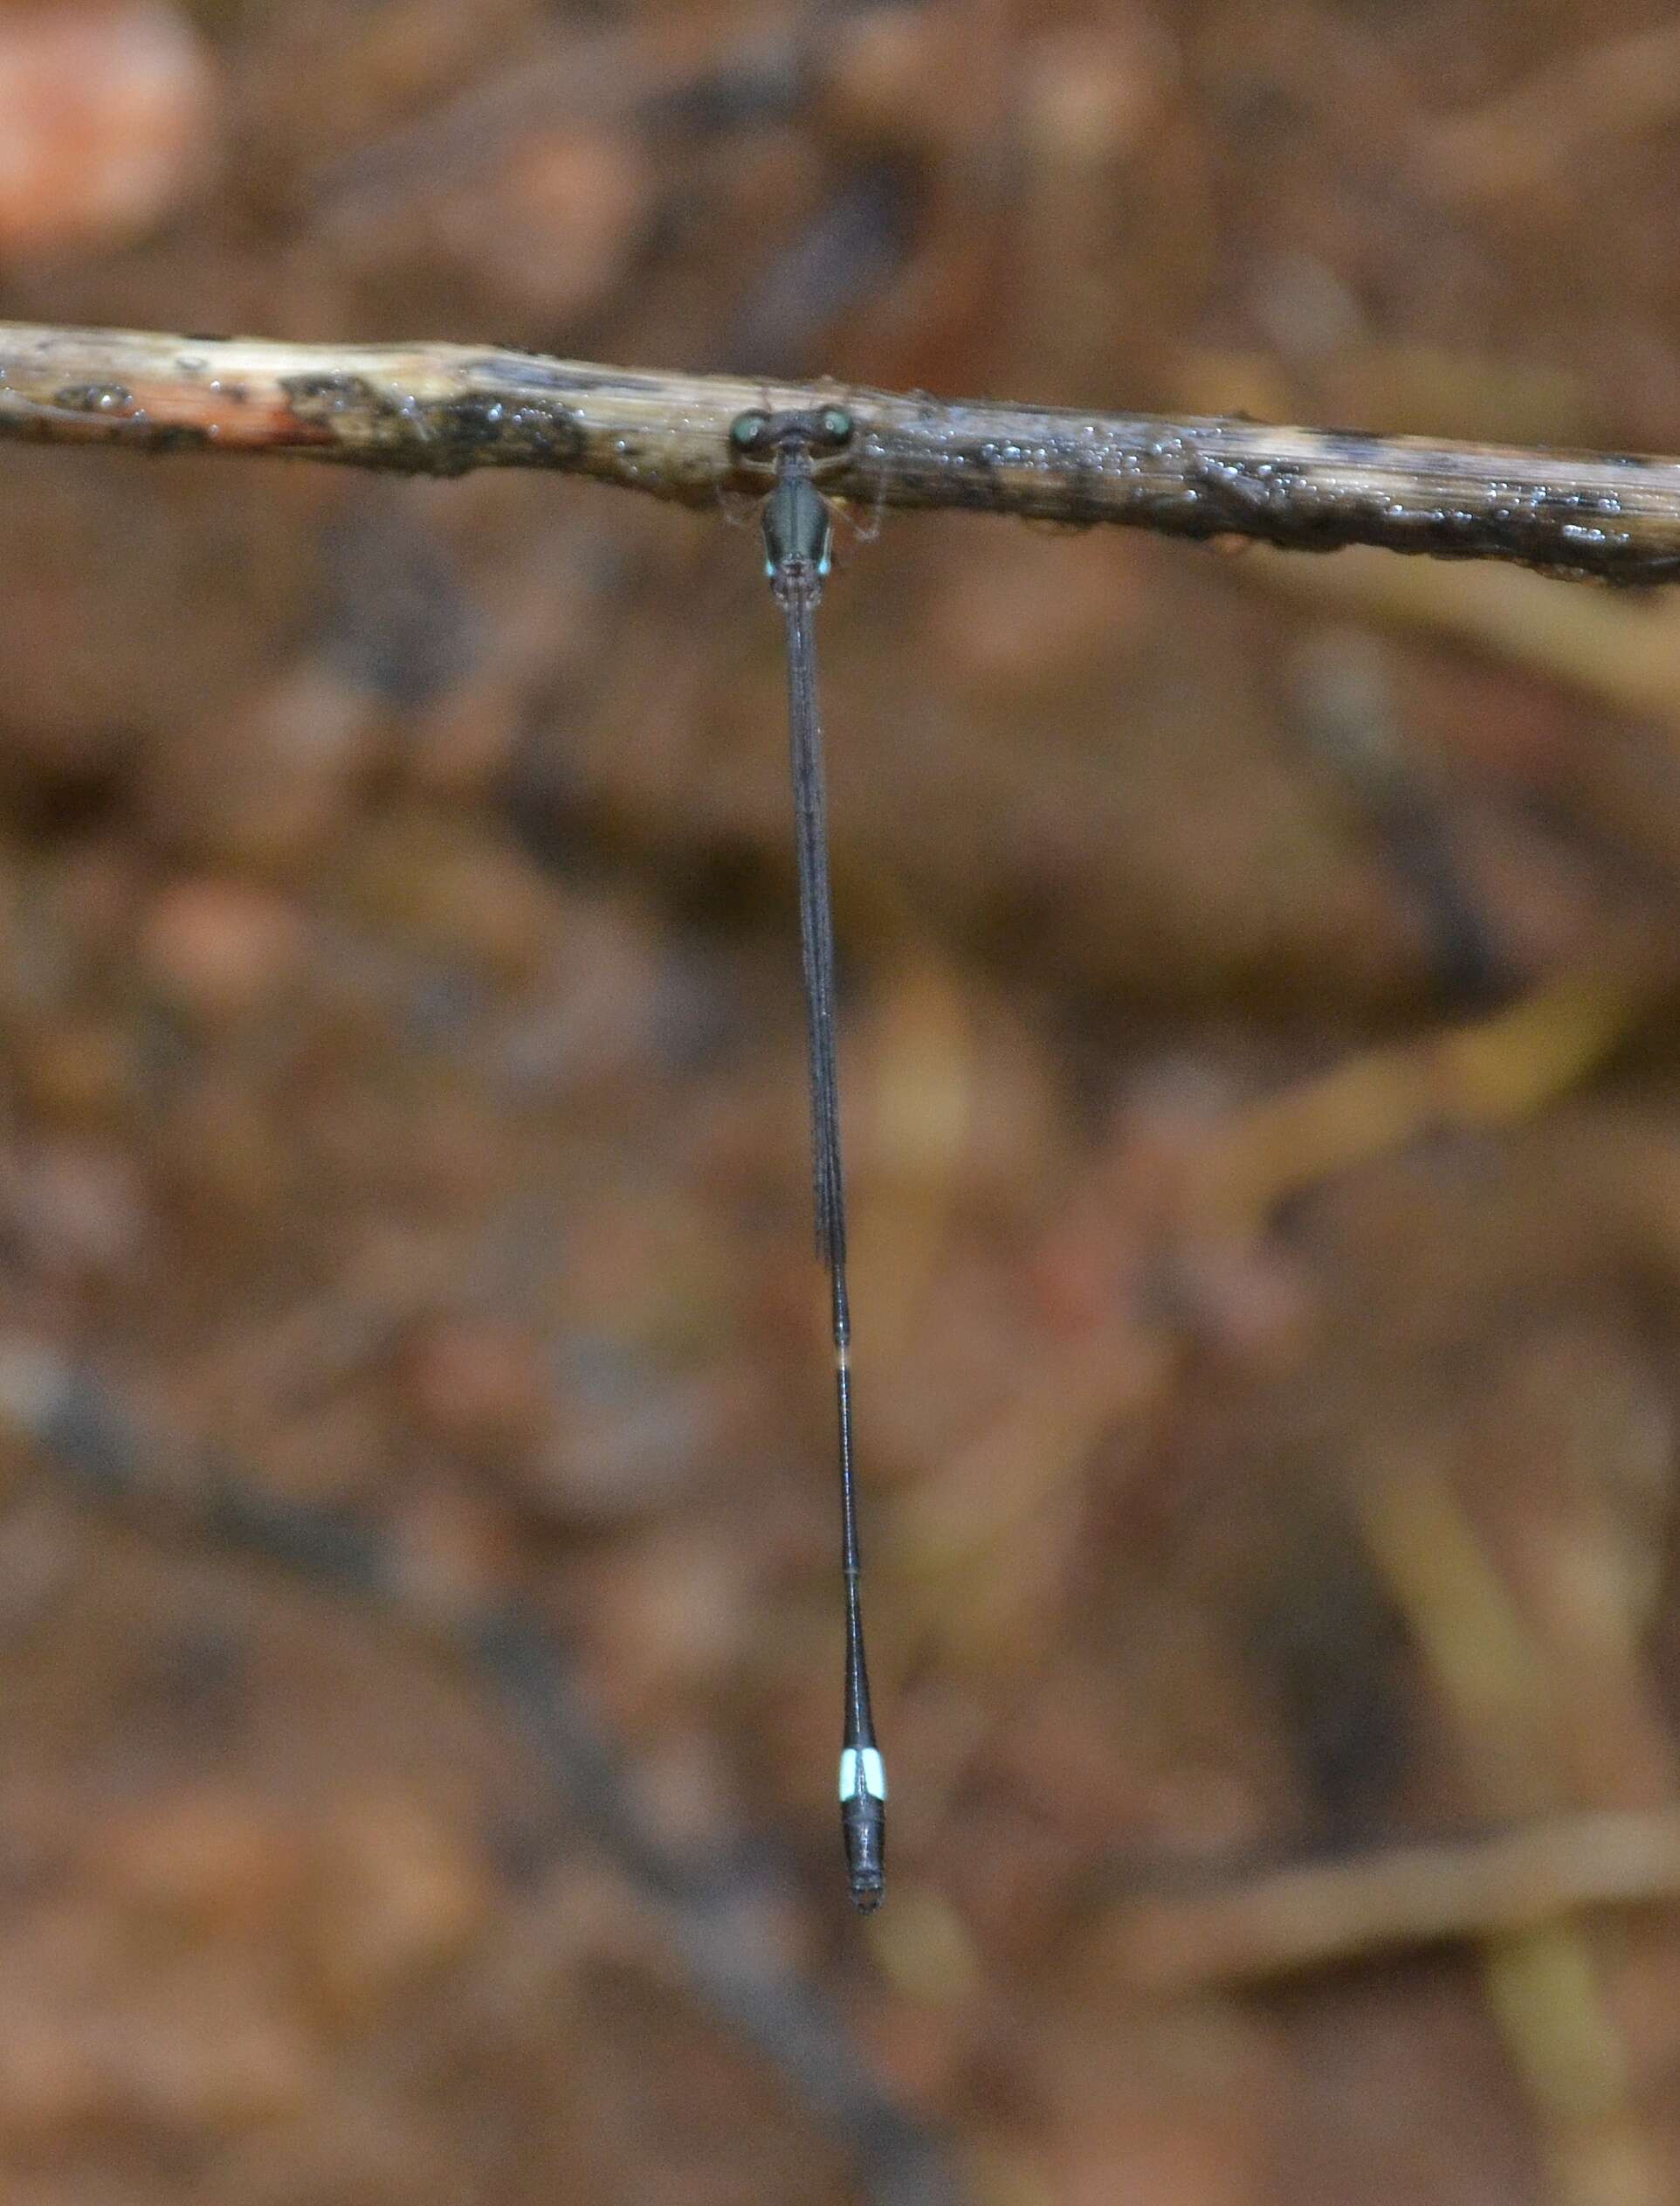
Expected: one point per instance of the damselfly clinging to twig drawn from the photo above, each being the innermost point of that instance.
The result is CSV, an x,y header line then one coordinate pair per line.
x,y
798,538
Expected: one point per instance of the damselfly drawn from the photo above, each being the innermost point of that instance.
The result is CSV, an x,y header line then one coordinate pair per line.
x,y
798,541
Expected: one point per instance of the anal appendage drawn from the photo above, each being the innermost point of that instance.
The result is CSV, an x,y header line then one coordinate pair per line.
x,y
862,1825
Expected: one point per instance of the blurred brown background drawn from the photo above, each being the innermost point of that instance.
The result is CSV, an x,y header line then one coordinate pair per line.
x,y
1263,1110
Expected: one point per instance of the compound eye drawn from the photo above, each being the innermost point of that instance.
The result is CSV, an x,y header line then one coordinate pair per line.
x,y
750,432
837,425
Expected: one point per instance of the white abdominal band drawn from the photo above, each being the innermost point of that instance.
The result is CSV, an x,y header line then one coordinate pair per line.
x,y
861,1770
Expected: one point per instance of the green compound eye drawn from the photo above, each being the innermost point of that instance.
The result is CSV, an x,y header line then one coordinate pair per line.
x,y
747,432
837,425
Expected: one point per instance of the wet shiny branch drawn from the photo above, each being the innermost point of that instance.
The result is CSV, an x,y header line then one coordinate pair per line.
x,y
443,409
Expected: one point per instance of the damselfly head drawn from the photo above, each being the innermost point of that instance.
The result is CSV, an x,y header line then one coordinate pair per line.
x,y
761,439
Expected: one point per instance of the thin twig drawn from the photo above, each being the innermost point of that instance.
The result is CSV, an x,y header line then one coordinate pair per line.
x,y
442,409
1325,1914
